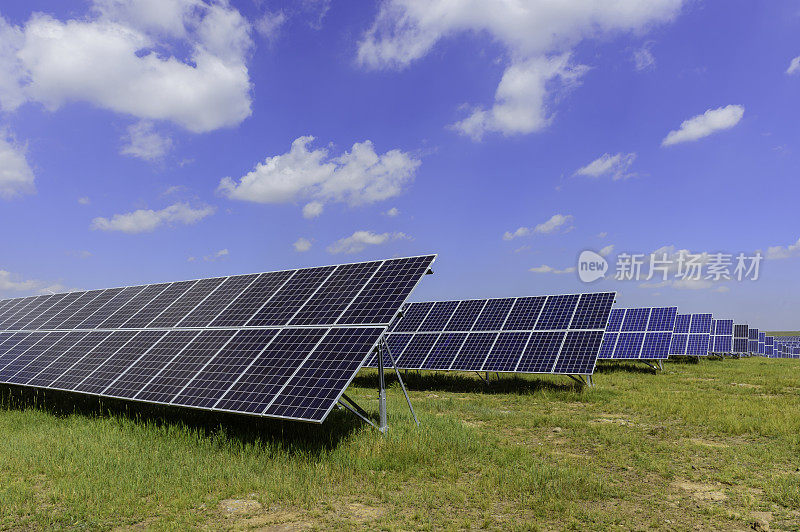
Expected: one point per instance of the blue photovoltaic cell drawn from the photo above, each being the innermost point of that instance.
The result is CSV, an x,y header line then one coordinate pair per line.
x,y
493,315
629,345
697,345
437,318
313,391
397,343
524,314
656,345
466,314
723,344
607,347
240,310
19,348
474,352
67,359
417,351
84,367
579,353
46,358
29,355
507,351
541,352
635,319
678,344
615,320
444,351
557,312
701,323
682,322
662,319
412,317
592,311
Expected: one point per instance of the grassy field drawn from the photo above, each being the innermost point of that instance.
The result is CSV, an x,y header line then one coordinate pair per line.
x,y
709,445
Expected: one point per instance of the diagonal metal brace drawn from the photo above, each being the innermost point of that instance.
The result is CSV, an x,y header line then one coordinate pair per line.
x,y
399,379
356,412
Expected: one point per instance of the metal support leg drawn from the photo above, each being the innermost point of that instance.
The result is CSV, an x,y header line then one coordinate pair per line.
x,y
481,377
382,393
661,365
589,381
400,380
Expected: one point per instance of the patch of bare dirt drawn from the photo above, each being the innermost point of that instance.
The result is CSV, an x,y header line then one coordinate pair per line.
x,y
701,492
240,506
708,443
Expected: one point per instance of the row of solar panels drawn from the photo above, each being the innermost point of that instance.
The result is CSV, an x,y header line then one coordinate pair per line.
x,y
279,344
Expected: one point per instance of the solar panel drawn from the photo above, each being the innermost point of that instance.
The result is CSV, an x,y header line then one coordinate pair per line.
x,y
278,344
752,343
769,346
761,338
558,334
692,335
722,337
639,333
740,339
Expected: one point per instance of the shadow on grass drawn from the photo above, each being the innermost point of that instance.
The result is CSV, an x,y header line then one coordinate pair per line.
x,y
468,383
627,367
292,436
683,360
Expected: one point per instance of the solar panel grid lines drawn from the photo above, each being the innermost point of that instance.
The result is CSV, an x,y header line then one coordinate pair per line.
x,y
104,311
187,302
9,308
32,310
152,310
286,302
84,367
218,301
68,358
313,391
52,310
24,357
120,315
70,322
19,348
175,375
335,295
500,350
258,384
81,301
438,317
413,316
45,358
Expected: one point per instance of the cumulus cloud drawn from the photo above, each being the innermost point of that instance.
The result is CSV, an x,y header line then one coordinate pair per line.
x,y
147,220
784,252
301,245
617,166
84,200
356,177
794,66
705,124
144,142
522,98
16,176
270,24
217,255
544,268
182,61
15,285
359,241
537,36
557,222
394,211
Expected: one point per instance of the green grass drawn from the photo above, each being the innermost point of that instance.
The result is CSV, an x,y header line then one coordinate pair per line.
x,y
712,445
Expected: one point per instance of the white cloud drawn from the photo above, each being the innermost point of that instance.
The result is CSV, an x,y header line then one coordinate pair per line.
x,y
357,177
705,124
84,200
221,254
544,268
794,66
270,24
147,220
16,176
557,222
312,209
783,252
394,211
602,234
606,251
145,143
537,36
182,61
359,240
522,98
643,58
617,166
12,284
302,245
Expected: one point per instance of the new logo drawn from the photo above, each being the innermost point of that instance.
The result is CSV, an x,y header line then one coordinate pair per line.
x,y
591,266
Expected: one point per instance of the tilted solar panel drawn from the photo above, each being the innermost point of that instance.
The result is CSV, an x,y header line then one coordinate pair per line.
x,y
692,335
639,333
740,339
752,343
542,334
278,344
722,337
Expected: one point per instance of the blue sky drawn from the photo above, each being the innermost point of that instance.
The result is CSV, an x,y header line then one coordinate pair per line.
x,y
143,141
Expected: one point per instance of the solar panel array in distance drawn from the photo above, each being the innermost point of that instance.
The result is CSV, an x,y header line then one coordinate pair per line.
x,y
558,334
638,333
280,344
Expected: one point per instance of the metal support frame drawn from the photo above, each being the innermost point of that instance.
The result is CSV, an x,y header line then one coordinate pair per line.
x,y
397,372
486,380
657,365
585,380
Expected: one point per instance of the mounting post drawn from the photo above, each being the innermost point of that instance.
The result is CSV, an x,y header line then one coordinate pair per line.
x,y
383,427
661,365
589,381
